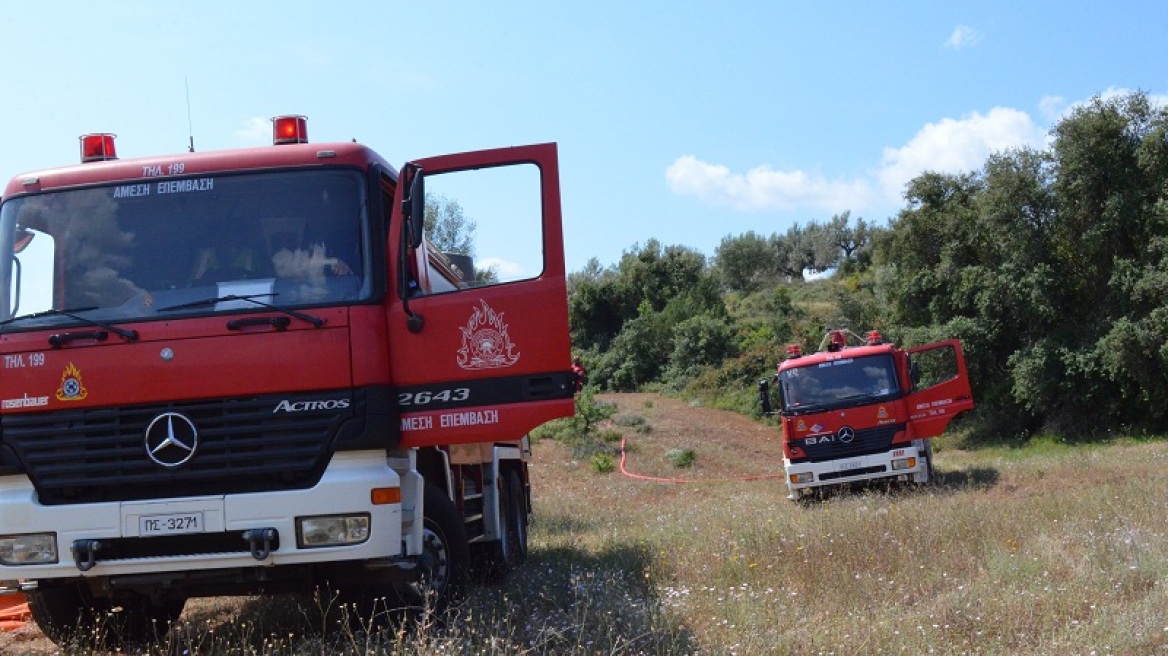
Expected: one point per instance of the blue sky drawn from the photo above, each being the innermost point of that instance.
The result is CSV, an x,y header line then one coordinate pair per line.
x,y
681,121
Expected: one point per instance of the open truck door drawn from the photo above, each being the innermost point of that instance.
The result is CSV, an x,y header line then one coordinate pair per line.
x,y
478,319
940,387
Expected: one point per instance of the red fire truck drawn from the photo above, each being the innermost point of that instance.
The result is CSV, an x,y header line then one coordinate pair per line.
x,y
252,371
860,412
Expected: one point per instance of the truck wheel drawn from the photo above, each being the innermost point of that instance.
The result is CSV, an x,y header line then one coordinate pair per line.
x,y
929,471
929,460
69,612
513,512
497,559
445,559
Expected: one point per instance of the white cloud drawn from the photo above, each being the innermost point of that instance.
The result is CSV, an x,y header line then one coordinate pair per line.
x,y
953,146
949,146
1052,107
1056,108
762,187
1111,93
963,36
256,130
506,270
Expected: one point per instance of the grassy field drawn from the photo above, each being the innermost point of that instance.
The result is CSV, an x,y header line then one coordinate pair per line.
x,y
1048,549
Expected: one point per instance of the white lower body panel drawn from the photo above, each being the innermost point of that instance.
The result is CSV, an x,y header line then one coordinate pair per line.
x,y
343,489
859,468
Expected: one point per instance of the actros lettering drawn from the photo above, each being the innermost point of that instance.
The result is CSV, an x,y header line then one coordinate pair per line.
x,y
305,406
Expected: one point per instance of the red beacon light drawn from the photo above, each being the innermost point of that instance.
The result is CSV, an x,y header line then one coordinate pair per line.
x,y
874,338
793,351
839,341
289,130
98,147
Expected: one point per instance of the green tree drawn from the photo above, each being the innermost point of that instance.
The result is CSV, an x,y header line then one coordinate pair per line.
x,y
746,262
626,314
447,227
1049,266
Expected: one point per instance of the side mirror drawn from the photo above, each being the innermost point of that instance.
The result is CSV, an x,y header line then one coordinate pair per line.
x,y
23,239
16,282
414,206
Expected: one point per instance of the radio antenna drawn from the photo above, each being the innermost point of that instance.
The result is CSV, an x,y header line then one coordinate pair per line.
x,y
190,129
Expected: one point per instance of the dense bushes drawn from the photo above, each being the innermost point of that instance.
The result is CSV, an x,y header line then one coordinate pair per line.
x,y
1051,266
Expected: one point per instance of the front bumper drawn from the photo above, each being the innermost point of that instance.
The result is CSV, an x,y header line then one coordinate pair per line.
x,y
264,518
906,462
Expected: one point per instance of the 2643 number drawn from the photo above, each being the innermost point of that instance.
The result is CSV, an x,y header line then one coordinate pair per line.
x,y
428,397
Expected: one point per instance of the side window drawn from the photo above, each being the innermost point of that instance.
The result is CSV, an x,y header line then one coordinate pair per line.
x,y
32,268
933,367
483,227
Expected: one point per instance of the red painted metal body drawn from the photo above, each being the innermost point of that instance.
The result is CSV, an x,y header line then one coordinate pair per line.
x,y
249,371
359,345
847,410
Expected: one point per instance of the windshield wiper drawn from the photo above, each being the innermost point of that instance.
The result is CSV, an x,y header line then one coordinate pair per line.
x,y
804,409
68,312
250,298
862,395
128,335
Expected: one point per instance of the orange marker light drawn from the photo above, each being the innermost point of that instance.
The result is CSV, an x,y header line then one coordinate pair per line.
x,y
289,130
98,147
381,496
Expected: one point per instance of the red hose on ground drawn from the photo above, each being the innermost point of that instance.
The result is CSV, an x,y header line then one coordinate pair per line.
x,y
14,613
687,480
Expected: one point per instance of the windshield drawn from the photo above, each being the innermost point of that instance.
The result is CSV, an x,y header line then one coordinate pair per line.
x,y
848,381
133,251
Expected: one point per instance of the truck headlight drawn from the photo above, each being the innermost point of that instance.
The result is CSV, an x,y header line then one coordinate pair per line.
x,y
802,477
904,463
331,530
31,549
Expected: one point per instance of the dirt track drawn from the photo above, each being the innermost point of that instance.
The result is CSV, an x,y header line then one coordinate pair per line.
x,y
727,444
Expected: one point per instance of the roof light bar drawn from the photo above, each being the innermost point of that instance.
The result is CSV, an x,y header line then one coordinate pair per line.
x,y
289,130
98,147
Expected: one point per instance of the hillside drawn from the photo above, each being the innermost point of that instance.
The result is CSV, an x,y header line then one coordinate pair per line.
x,y
1048,549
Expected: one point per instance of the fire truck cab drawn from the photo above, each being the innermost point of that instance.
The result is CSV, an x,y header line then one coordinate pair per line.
x,y
255,370
862,409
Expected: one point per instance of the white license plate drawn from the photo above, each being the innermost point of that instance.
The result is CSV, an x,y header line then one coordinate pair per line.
x,y
177,523
850,465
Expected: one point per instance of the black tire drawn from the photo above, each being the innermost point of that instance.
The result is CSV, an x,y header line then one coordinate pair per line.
x,y
929,462
513,516
445,561
69,612
498,558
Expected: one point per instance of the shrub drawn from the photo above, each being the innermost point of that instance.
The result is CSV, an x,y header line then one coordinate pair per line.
x,y
603,463
681,458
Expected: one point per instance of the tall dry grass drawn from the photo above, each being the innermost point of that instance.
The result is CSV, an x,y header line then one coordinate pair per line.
x,y
1048,549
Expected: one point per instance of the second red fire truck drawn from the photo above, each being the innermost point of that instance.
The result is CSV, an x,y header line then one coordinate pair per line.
x,y
863,409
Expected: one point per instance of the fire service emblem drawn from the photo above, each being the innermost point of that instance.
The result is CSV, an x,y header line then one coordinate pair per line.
x,y
485,343
71,389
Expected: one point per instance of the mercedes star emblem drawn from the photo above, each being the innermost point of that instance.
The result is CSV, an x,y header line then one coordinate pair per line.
x,y
846,434
171,439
